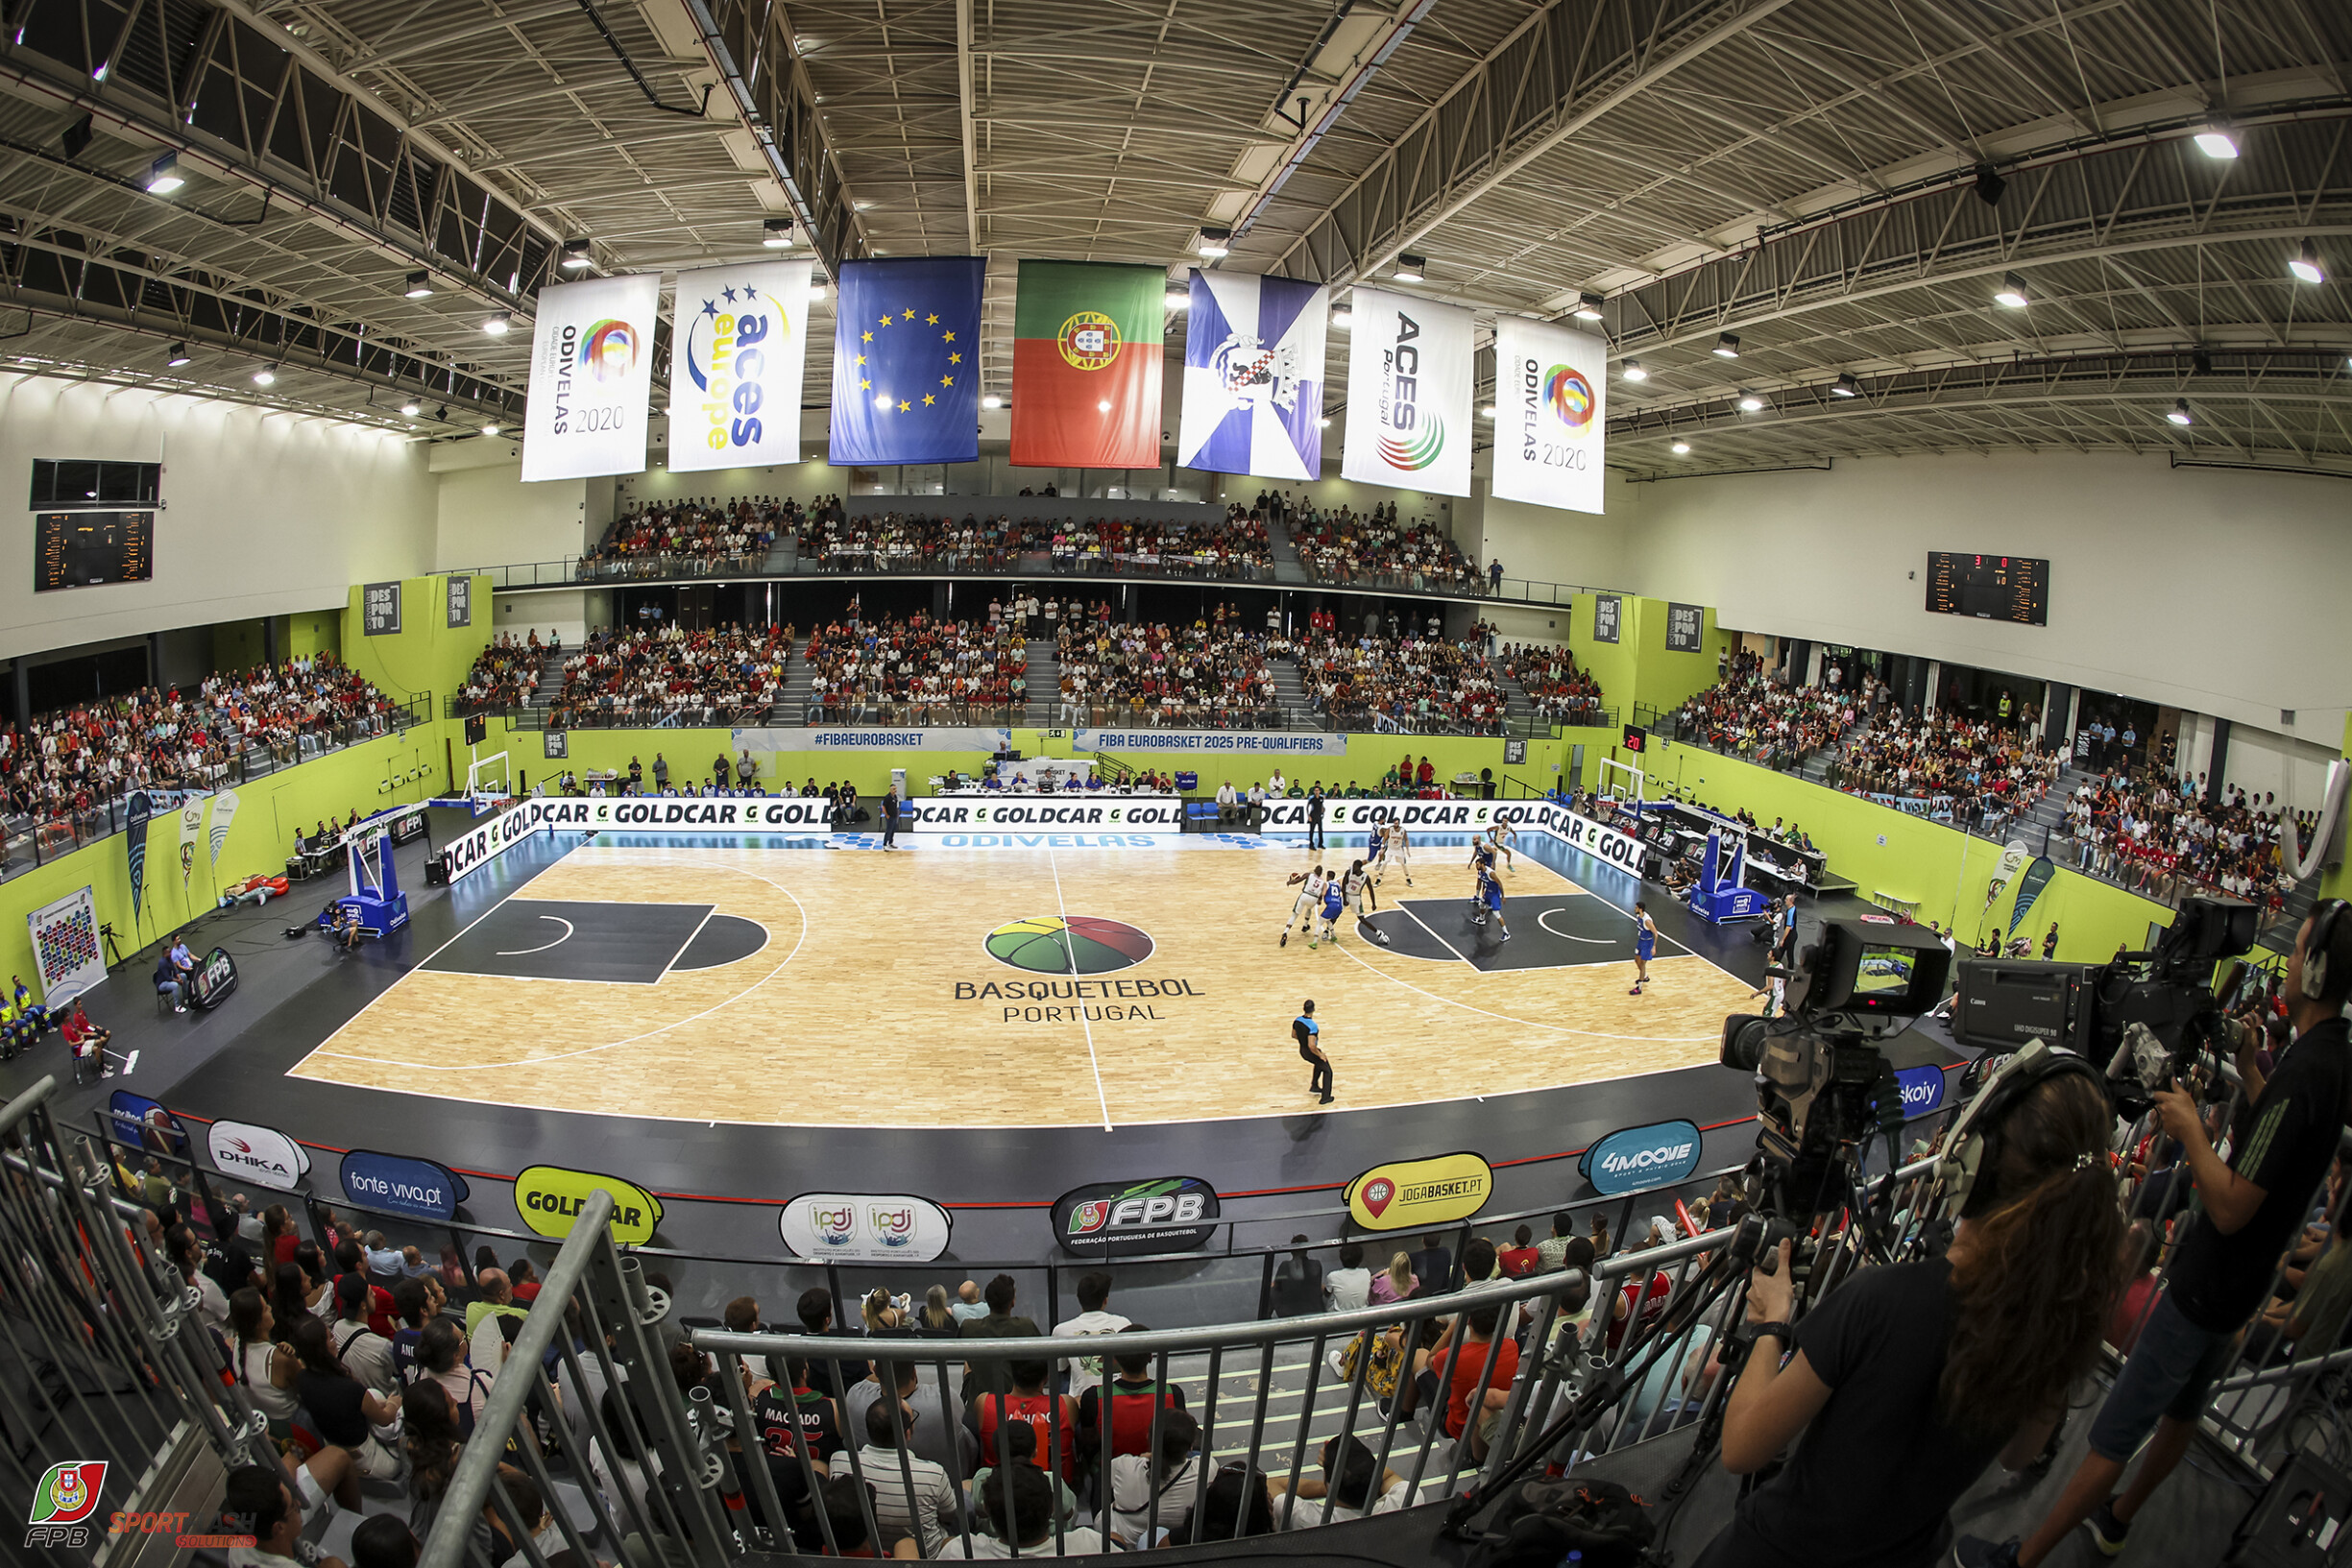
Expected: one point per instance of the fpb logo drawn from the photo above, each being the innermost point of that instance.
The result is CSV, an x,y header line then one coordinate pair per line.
x,y
63,1503
1089,1216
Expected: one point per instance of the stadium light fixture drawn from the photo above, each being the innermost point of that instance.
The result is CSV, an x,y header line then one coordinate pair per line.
x,y
1410,269
575,254
1486,411
2216,141
179,355
1102,406
1323,423
265,378
2305,267
2180,414
1682,448
490,429
2012,294
1343,318
1215,242
776,233
411,410
419,285
816,290
992,401
1633,372
882,399
163,175
497,324
1179,299
1727,345
1751,403
1845,386
1587,307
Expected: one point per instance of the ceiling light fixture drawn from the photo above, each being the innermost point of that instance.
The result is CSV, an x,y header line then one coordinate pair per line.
x,y
1632,370
1682,448
1179,299
163,175
776,233
497,324
1215,242
2012,294
1587,307
992,401
2305,267
1751,403
1486,411
490,429
2217,142
1845,386
882,399
1410,269
1324,423
2180,414
1727,345
419,285
1343,318
179,355
412,410
816,290
265,378
575,254
1102,406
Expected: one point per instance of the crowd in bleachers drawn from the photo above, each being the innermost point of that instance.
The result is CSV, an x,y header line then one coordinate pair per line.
x,y
914,669
1988,770
1560,691
730,676
1234,550
914,540
705,534
2144,834
1210,674
1425,684
70,763
506,673
1747,712
1349,548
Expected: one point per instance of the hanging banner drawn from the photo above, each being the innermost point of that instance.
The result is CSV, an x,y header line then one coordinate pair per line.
x,y
1409,368
191,830
224,812
380,609
460,600
742,340
261,1155
1254,376
136,812
906,361
2037,876
1606,609
866,1227
1686,628
66,953
1549,419
1086,357
591,374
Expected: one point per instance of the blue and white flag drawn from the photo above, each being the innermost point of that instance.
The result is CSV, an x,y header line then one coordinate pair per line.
x,y
1254,376
906,361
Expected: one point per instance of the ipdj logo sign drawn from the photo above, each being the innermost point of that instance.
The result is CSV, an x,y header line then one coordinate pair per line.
x,y
1633,1159
881,1227
63,1501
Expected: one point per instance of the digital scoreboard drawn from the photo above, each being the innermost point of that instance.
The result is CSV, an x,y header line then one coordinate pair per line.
x,y
84,550
1989,587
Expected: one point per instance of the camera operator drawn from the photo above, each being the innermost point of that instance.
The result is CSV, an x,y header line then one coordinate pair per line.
x,y
2281,1145
1907,1381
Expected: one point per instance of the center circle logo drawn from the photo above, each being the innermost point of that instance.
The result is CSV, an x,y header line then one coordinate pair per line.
x,y
1571,395
1080,944
1089,340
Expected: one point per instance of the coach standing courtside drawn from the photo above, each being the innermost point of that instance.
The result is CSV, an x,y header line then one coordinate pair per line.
x,y
1309,1035
889,817
1315,817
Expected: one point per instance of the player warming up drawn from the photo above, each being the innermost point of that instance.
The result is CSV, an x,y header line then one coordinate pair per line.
x,y
1305,907
1397,850
1354,887
1645,947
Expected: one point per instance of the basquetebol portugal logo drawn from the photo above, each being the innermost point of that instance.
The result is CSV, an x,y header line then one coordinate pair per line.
x,y
63,1503
1089,340
1079,945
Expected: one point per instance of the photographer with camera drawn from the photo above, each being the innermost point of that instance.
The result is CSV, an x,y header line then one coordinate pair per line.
x,y
1907,1381
2245,1212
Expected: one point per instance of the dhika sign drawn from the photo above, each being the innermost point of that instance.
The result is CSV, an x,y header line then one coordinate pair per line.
x,y
261,1155
549,1198
1636,1159
866,1227
1116,1220
1408,1194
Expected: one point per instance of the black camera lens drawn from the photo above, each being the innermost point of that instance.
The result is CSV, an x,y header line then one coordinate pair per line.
x,y
1743,1042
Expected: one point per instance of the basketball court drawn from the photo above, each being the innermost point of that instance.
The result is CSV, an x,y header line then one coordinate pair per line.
x,y
790,982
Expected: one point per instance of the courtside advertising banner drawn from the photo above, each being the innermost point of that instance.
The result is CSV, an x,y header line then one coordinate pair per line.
x,y
866,1227
591,374
418,1189
1254,376
743,342
476,847
1447,816
1247,742
1636,1158
550,1197
66,950
1409,366
261,1155
1120,1219
1413,1195
1548,384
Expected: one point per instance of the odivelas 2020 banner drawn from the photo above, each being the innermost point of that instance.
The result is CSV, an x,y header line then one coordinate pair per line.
x,y
742,340
1548,422
592,372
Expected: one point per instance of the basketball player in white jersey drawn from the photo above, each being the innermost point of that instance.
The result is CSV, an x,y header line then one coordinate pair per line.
x,y
1397,850
1303,908
1353,889
1505,836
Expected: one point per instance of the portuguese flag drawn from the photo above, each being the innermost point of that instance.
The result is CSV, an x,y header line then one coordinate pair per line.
x,y
1087,359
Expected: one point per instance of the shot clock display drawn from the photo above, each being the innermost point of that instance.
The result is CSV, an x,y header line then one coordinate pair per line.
x,y
1989,587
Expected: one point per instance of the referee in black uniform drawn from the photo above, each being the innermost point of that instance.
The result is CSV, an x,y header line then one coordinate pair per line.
x,y
890,818
1309,1035
1315,817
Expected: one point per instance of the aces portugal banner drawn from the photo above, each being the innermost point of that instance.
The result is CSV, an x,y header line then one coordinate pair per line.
x,y
592,371
1254,376
1547,414
1409,366
1086,358
742,344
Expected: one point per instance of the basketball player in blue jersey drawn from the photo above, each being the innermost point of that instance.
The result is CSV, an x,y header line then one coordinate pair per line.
x,y
1305,907
1490,898
1645,947
1482,862
1335,904
1376,842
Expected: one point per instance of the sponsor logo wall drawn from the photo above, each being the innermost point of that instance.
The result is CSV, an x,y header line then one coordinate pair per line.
x,y
549,1198
1119,1220
66,954
866,1227
261,1155
1636,1159
1408,1194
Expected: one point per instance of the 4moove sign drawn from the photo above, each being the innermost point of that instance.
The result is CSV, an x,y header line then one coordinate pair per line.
x,y
1117,1220
1635,1159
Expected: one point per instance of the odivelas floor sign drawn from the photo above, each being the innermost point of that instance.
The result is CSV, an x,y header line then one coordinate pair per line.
x,y
1636,1159
1118,1219
549,1198
1410,1194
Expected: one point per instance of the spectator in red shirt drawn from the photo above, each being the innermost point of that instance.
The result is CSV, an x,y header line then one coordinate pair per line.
x,y
1520,1258
524,1279
1457,1359
1134,1394
1428,775
1047,1415
278,1238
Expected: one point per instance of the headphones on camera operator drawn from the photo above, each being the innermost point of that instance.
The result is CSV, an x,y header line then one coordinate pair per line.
x,y
1970,1146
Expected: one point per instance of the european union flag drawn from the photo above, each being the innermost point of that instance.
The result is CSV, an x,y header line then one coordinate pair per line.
x,y
906,361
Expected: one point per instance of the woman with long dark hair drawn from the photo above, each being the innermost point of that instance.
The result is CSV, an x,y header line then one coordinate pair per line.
x,y
343,1409
278,1237
265,1368
289,1297
1907,1381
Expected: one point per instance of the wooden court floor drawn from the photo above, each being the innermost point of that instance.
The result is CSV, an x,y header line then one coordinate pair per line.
x,y
877,1001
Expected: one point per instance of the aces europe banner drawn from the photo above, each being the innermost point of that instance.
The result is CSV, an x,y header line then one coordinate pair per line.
x,y
1254,376
592,371
1409,366
742,337
1547,414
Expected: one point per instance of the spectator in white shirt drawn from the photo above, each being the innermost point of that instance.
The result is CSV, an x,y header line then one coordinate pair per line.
x,y
1349,1467
1227,799
1349,1286
1174,1480
911,1495
1093,1297
1029,1521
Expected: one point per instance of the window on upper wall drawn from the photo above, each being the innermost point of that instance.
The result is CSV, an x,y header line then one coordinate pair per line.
x,y
79,484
